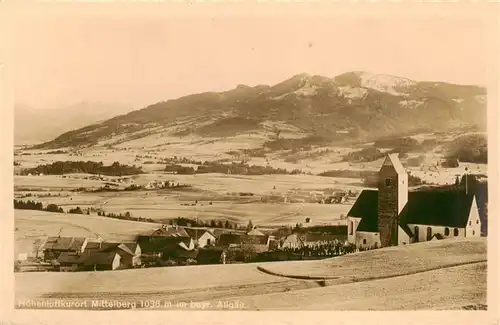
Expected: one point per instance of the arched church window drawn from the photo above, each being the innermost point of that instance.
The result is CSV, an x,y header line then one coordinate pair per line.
x,y
455,232
429,233
416,234
446,231
388,182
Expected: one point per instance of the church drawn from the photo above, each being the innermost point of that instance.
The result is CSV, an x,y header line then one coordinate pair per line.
x,y
393,215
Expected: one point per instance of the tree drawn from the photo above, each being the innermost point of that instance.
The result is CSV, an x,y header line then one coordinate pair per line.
x,y
37,244
250,225
248,249
52,208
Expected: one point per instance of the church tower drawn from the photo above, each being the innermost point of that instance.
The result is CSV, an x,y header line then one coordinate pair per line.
x,y
392,198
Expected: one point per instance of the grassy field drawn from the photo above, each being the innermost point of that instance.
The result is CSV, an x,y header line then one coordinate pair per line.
x,y
426,279
221,190
33,225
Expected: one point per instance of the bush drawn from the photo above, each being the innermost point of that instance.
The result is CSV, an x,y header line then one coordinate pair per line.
x,y
364,155
76,210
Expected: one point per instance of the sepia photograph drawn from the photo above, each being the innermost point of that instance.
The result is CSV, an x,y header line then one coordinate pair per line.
x,y
190,159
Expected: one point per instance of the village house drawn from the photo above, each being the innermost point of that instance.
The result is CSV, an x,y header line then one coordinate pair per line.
x,y
130,253
69,262
392,215
202,237
54,246
257,243
101,261
164,243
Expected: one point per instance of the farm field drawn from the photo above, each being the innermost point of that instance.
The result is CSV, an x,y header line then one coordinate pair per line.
x,y
436,282
33,225
220,190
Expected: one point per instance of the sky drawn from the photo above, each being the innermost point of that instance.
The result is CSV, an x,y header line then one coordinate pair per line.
x,y
62,57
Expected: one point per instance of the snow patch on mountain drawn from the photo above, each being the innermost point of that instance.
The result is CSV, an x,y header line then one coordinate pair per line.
x,y
384,83
352,92
306,89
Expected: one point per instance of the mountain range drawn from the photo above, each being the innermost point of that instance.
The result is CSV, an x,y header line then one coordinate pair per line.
x,y
353,105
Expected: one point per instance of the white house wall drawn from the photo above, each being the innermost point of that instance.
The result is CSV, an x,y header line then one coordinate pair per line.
x,y
367,239
136,260
116,262
84,245
203,240
403,238
351,228
422,233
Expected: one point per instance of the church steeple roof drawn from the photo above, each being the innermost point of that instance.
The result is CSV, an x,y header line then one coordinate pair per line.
x,y
393,159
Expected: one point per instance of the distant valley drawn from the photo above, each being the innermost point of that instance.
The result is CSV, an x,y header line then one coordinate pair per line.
x,y
35,125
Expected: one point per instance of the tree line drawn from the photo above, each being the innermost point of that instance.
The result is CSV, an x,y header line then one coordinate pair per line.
x,y
233,168
33,205
86,167
213,223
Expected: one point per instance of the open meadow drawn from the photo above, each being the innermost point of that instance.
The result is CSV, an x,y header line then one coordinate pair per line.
x,y
210,196
37,225
445,274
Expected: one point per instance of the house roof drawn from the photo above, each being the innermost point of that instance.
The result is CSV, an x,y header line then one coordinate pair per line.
x,y
170,231
132,246
197,233
68,258
128,248
437,208
92,246
161,243
449,208
64,243
99,258
394,157
226,239
366,208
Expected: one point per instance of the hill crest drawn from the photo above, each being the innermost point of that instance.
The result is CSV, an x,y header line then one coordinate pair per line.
x,y
368,105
